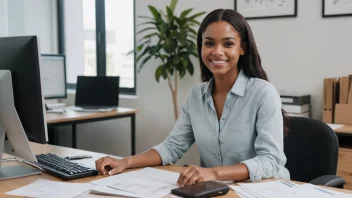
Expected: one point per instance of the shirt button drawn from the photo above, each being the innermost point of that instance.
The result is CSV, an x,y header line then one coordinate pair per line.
x,y
227,106
223,119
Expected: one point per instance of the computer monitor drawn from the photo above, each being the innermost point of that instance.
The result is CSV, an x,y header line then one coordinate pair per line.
x,y
53,76
16,142
20,55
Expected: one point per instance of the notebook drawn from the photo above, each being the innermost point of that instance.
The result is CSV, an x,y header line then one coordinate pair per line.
x,y
97,93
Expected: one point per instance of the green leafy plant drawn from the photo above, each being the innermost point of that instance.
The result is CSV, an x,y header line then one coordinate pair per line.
x,y
170,39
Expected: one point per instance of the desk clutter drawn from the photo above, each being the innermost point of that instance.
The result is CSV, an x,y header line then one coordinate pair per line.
x,y
296,105
337,100
152,182
280,188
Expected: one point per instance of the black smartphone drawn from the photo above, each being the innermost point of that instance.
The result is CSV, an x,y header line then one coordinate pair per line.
x,y
78,157
202,190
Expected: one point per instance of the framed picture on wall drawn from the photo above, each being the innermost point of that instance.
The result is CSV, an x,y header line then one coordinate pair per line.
x,y
335,8
262,9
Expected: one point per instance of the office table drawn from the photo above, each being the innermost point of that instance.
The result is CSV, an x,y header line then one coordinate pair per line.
x,y
71,117
13,184
344,166
345,130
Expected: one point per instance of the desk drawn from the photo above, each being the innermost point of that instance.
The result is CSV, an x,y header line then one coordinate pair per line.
x,y
344,166
71,117
9,185
345,130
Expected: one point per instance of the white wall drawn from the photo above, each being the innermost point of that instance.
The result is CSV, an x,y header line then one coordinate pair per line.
x,y
298,53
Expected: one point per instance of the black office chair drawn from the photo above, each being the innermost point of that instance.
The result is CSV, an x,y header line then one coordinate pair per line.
x,y
311,148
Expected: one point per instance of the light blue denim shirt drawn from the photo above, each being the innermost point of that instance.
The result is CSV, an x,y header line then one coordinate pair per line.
x,y
250,130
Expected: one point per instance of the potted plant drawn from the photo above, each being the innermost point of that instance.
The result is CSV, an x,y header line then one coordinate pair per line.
x,y
175,44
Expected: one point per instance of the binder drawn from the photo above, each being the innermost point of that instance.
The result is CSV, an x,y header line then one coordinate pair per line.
x,y
329,93
295,99
344,89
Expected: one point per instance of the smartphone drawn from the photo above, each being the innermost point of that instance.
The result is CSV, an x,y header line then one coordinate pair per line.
x,y
202,190
78,157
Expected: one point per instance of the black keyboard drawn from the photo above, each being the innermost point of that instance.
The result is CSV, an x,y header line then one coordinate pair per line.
x,y
63,168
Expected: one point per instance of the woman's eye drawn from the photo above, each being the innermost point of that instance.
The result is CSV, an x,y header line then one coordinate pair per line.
x,y
208,43
228,44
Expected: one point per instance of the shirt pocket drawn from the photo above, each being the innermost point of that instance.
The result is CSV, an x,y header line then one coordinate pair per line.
x,y
239,136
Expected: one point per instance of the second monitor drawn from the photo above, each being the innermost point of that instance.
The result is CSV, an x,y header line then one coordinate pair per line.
x,y
53,76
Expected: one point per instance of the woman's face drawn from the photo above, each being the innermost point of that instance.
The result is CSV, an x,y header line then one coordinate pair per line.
x,y
221,49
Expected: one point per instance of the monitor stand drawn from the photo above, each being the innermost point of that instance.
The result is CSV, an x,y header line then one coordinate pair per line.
x,y
11,172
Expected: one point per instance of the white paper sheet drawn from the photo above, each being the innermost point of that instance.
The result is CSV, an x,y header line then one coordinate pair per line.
x,y
147,182
335,126
110,191
279,188
46,188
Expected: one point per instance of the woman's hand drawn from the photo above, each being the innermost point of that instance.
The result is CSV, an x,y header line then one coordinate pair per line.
x,y
195,174
110,166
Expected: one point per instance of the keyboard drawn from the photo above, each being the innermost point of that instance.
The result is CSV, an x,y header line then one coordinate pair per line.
x,y
63,168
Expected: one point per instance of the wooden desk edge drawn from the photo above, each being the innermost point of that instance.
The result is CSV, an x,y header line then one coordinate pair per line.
x,y
52,119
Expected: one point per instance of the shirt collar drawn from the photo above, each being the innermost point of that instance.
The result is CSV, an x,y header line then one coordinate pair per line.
x,y
238,88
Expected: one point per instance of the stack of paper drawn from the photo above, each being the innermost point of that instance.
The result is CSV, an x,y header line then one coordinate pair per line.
x,y
147,182
279,188
46,188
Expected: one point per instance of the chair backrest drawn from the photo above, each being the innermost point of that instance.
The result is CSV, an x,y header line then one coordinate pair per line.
x,y
311,148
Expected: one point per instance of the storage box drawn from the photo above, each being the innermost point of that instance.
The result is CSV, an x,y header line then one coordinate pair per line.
x,y
343,114
343,111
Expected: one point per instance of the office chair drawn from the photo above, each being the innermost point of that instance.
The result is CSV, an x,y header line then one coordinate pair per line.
x,y
311,148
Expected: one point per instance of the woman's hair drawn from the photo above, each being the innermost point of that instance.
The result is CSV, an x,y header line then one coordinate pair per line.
x,y
250,62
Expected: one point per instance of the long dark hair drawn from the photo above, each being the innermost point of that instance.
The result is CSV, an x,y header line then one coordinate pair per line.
x,y
250,62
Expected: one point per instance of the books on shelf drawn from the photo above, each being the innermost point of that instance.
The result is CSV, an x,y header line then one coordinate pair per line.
x,y
296,105
296,108
295,99
305,114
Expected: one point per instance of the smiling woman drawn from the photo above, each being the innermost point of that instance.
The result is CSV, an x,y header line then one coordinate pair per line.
x,y
234,116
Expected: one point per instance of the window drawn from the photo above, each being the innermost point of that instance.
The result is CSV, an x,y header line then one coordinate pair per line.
x,y
98,36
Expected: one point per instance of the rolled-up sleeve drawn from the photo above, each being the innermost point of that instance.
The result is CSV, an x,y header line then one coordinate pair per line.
x,y
180,138
269,141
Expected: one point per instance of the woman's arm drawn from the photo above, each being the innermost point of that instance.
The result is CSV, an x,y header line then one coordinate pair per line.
x,y
169,151
195,174
111,166
268,144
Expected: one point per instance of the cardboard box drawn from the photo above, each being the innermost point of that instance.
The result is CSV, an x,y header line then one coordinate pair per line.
x,y
343,114
344,89
329,99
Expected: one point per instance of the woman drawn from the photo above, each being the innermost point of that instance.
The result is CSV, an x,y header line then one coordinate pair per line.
x,y
234,116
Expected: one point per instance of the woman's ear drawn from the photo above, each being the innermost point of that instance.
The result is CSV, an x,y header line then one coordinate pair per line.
x,y
243,50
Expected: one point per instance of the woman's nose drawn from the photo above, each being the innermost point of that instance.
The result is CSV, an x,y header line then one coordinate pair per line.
x,y
218,51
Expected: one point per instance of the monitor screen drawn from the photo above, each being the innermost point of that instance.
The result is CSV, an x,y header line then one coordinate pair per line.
x,y
53,76
20,55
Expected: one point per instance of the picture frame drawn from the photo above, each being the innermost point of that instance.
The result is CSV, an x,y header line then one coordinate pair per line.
x,y
264,9
336,8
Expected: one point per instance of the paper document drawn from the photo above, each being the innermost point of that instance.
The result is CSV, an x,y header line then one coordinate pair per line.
x,y
46,188
280,188
110,191
147,182
335,126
